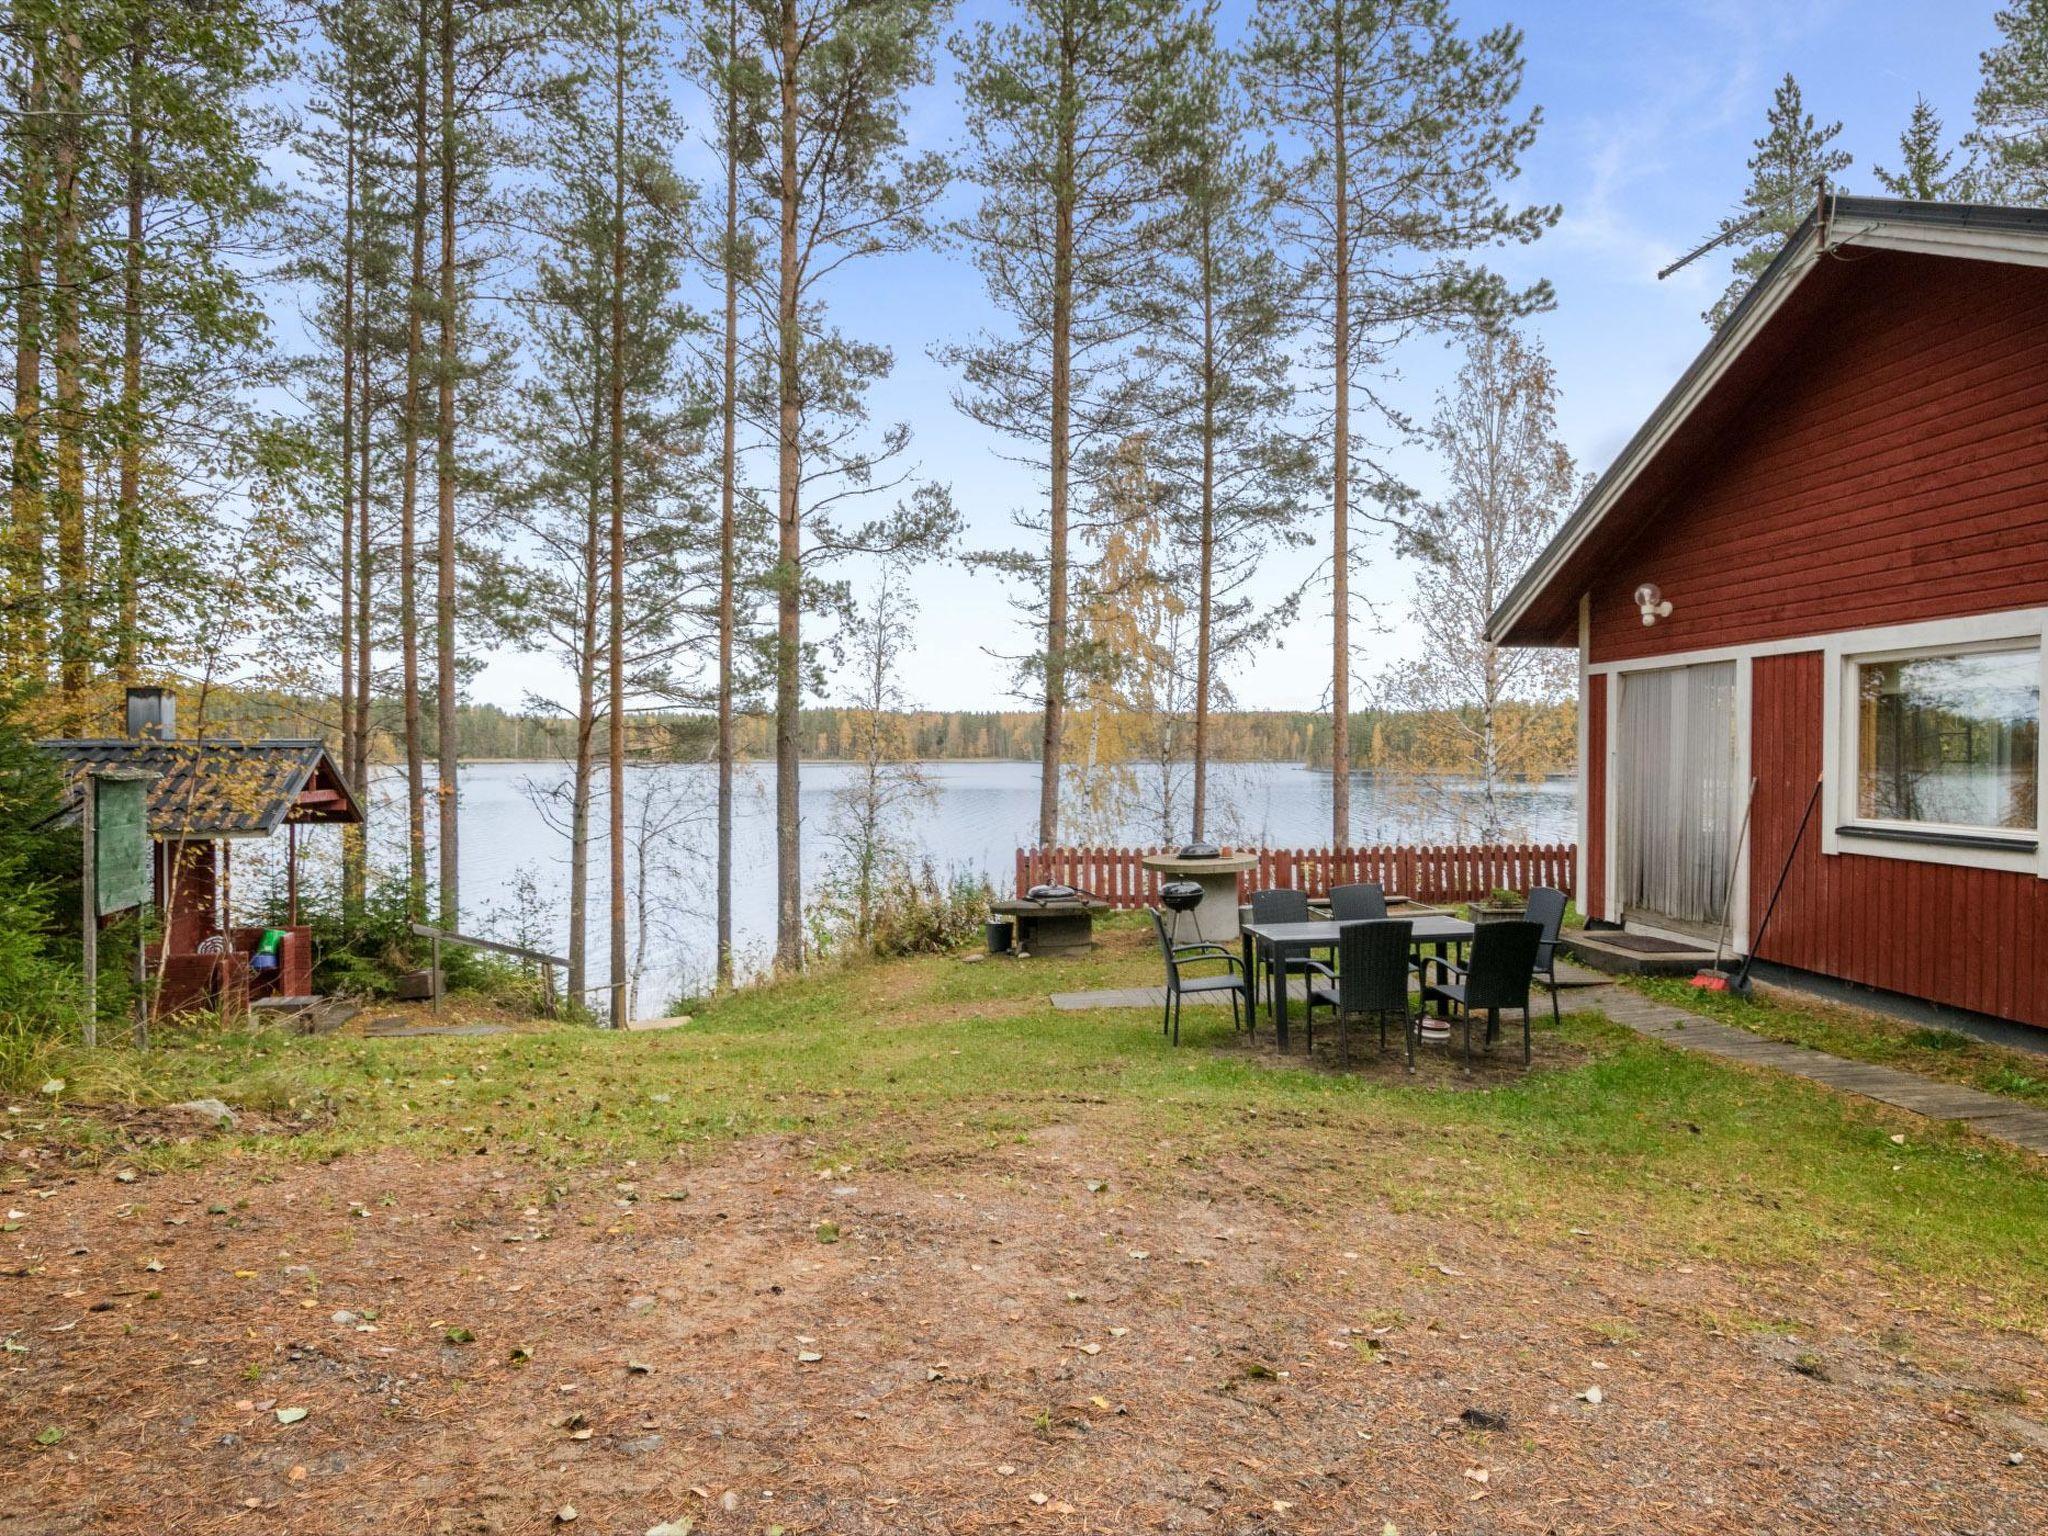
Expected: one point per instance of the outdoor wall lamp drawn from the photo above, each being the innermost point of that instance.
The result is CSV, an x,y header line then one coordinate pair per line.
x,y
1655,605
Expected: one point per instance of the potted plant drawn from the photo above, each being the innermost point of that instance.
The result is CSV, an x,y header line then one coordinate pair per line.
x,y
1499,906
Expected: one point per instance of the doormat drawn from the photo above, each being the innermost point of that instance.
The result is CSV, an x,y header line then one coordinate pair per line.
x,y
1641,944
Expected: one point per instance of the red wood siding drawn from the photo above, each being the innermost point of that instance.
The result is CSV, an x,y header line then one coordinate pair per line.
x,y
189,907
1969,938
1593,773
1893,468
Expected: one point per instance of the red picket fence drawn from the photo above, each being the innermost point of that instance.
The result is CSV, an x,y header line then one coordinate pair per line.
x,y
1441,874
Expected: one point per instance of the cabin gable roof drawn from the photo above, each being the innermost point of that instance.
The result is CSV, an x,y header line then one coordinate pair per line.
x,y
1815,266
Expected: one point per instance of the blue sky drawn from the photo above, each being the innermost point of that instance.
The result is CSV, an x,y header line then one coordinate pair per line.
x,y
1650,107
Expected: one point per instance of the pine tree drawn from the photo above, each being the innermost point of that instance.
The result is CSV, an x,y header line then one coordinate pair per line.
x,y
1923,172
2009,145
26,629
343,248
737,92
1061,243
1795,160
135,207
1408,129
417,303
613,531
838,185
1217,321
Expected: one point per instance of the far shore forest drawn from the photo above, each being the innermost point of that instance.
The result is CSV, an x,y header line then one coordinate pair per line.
x,y
1383,741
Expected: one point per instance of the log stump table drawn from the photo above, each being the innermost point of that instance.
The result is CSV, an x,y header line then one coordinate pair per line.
x,y
1215,920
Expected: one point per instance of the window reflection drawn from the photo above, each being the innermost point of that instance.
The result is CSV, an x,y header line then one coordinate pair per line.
x,y
1951,740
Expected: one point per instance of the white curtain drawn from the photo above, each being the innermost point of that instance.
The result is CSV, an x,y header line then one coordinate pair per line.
x,y
1677,805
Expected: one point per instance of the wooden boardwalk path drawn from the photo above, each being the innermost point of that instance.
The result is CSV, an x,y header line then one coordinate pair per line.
x,y
2007,1120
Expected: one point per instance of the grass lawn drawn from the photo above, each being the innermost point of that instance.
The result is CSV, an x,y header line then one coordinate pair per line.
x,y
903,1248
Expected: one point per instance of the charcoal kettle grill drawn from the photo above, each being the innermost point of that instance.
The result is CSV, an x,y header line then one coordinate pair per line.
x,y
1179,896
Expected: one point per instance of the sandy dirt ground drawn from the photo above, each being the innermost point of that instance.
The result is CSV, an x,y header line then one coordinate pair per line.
x,y
1075,1330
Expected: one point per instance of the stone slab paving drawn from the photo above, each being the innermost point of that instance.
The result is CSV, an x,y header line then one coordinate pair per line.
x,y
2020,1125
1155,997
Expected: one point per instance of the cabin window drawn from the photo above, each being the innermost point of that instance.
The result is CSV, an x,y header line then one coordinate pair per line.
x,y
1950,741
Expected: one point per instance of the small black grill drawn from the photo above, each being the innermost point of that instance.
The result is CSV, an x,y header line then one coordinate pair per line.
x,y
1180,895
1045,893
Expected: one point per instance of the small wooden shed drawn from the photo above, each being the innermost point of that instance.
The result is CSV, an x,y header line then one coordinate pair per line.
x,y
204,797
1821,567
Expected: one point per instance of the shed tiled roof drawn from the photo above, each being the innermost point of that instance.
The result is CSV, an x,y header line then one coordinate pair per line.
x,y
219,788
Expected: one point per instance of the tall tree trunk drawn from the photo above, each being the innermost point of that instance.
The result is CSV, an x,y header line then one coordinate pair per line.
x,y
74,615
727,490
1340,448
128,513
789,914
355,841
620,1013
351,703
408,508
447,726
27,634
594,569
1206,555
1062,417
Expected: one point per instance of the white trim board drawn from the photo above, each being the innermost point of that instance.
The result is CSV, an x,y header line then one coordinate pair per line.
x,y
2004,624
1584,732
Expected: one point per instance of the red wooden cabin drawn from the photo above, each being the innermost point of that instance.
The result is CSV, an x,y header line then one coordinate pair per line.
x,y
205,797
1844,504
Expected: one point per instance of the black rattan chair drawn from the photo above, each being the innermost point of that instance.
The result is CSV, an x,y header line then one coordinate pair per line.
x,y
1177,955
1280,906
1371,982
1364,903
1497,976
1546,907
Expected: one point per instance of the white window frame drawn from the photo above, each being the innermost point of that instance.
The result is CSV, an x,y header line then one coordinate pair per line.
x,y
1852,823
1845,830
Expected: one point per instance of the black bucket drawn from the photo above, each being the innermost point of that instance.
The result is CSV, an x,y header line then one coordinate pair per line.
x,y
1000,930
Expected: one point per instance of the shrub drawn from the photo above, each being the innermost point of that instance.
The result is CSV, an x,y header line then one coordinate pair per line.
x,y
915,914
39,991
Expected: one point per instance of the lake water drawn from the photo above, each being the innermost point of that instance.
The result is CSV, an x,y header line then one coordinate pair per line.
x,y
515,851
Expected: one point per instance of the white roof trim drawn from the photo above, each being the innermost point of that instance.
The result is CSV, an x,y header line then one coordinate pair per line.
x,y
2006,246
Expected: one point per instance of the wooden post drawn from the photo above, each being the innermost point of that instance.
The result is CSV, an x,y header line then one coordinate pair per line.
x,y
141,983
291,874
434,978
88,787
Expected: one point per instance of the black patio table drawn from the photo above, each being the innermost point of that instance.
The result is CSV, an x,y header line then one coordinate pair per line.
x,y
1281,940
